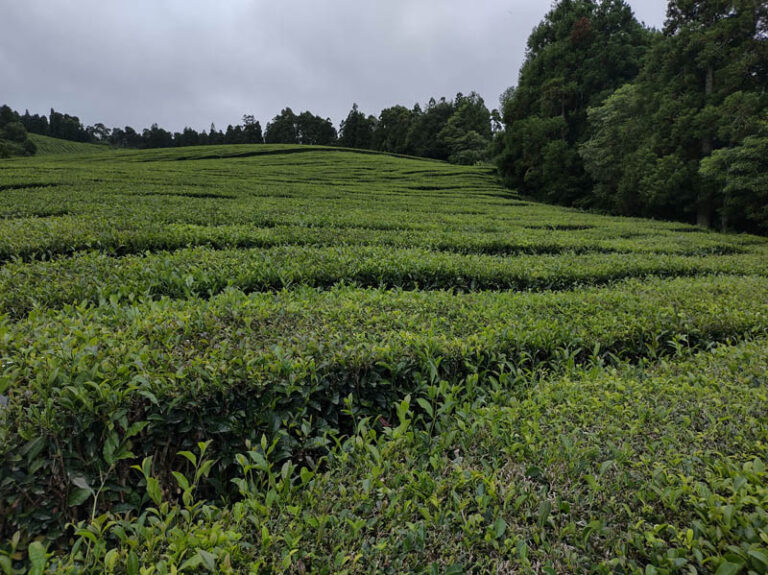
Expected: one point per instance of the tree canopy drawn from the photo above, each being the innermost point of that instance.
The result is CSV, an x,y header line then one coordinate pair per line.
x,y
612,116
14,140
579,54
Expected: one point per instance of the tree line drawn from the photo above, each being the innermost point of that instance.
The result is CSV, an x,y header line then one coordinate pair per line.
x,y
457,130
14,138
606,114
670,124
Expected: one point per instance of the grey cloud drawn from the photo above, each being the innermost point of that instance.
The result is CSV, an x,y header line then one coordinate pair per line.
x,y
184,62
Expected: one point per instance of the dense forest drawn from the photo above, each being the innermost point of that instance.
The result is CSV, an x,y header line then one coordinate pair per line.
x,y
674,124
606,114
14,140
457,130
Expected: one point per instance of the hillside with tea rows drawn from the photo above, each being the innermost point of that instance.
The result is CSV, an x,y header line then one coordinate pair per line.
x,y
276,358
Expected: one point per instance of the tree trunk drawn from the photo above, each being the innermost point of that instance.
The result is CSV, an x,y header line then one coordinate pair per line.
x,y
705,205
704,212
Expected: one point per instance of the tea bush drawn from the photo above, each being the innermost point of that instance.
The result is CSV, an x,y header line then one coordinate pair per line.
x,y
632,469
277,358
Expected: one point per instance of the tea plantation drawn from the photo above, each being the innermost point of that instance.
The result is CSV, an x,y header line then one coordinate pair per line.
x,y
269,358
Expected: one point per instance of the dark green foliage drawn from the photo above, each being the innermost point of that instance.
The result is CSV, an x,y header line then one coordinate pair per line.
x,y
471,115
702,89
575,135
35,124
579,54
68,127
282,129
15,132
357,130
408,369
125,138
251,131
156,137
315,131
615,161
392,127
467,133
98,132
741,173
13,135
306,128
457,131
422,137
7,116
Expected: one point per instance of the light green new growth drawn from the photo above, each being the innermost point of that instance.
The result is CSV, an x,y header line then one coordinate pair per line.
x,y
263,359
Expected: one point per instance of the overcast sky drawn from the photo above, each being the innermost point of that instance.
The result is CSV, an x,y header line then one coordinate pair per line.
x,y
193,62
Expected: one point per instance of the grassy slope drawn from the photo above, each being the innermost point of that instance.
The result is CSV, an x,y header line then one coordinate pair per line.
x,y
562,392
48,146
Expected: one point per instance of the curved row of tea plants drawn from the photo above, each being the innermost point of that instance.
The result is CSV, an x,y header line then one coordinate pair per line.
x,y
373,355
132,202
95,278
47,238
635,469
87,387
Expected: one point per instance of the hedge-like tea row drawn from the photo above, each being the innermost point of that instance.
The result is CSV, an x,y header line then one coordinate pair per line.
x,y
94,278
276,263
131,203
86,385
44,238
658,469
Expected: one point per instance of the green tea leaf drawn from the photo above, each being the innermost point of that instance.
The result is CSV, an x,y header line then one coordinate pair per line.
x,y
425,405
154,491
132,564
208,559
728,568
78,496
111,559
38,558
181,480
190,456
499,527
545,508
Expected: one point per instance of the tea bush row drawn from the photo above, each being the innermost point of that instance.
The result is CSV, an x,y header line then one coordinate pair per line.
x,y
634,469
45,238
87,387
96,278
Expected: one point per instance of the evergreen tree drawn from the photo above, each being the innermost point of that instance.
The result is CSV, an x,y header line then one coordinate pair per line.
x,y
314,130
702,89
8,115
252,130
13,134
391,132
67,127
423,137
741,173
282,129
156,137
357,130
711,51
467,133
215,137
579,54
